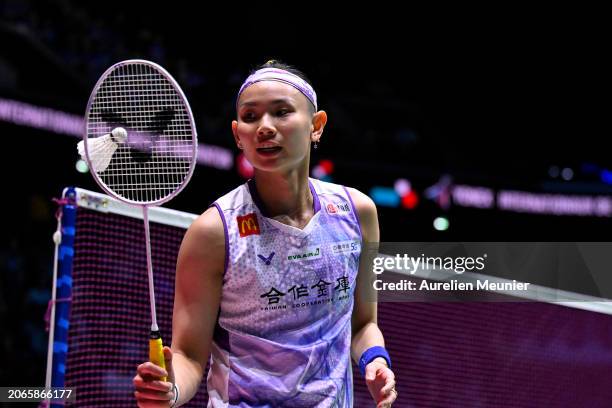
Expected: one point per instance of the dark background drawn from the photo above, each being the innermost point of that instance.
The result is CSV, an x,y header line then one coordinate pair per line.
x,y
489,101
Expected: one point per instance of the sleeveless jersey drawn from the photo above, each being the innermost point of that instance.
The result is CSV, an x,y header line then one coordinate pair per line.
x,y
283,333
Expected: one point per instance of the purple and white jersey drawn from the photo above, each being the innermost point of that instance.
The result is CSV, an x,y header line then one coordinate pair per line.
x,y
284,329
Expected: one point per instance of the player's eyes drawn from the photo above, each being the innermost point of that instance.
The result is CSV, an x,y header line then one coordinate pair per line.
x,y
248,117
252,116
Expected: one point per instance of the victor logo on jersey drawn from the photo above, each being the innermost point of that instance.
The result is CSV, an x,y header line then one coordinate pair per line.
x,y
342,207
247,225
267,260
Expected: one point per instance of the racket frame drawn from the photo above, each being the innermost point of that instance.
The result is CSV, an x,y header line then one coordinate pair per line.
x,y
179,91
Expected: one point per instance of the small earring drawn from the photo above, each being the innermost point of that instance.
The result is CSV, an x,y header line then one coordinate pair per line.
x,y
240,146
316,144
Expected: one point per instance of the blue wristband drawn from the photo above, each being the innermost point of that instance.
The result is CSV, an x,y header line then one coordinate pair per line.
x,y
372,353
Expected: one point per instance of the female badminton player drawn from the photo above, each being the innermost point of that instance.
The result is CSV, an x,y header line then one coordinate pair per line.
x,y
266,278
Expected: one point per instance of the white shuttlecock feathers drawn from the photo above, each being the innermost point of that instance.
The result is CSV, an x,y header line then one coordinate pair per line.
x,y
101,149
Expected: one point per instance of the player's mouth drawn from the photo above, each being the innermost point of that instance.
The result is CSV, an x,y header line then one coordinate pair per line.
x,y
269,151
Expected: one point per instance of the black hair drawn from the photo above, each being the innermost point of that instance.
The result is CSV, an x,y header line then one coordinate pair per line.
x,y
281,65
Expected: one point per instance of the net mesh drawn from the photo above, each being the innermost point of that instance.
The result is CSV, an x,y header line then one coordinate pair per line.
x,y
444,354
520,354
110,317
155,156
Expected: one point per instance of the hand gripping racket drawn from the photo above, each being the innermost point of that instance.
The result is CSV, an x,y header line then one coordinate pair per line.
x,y
140,144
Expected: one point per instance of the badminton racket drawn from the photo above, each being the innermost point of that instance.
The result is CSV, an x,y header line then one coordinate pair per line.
x,y
140,144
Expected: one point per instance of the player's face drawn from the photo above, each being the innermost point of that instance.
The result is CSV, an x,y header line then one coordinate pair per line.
x,y
274,126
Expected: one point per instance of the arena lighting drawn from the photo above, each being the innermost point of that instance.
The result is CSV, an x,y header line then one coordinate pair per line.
x,y
51,120
317,172
441,224
554,204
402,187
408,197
535,203
323,170
385,196
410,200
606,176
327,166
473,196
24,114
81,166
567,174
215,156
440,192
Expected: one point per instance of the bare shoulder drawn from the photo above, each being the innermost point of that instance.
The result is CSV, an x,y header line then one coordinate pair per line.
x,y
368,216
208,225
204,242
363,203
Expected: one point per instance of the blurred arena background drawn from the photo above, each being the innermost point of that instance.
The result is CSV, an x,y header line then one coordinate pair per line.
x,y
488,133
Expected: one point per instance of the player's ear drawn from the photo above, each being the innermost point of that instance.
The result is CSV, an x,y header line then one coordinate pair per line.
x,y
235,132
319,120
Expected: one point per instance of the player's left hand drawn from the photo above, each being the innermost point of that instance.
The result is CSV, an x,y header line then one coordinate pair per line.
x,y
381,383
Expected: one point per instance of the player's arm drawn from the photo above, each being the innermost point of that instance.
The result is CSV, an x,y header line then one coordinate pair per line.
x,y
365,329
199,278
380,380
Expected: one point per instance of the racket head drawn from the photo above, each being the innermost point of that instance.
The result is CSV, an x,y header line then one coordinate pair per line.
x,y
157,158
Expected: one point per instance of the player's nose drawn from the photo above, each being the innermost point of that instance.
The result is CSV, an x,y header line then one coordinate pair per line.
x,y
266,128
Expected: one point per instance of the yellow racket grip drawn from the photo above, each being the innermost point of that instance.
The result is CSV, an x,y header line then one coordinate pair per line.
x,y
156,351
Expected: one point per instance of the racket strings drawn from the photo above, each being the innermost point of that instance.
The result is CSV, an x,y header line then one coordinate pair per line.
x,y
157,157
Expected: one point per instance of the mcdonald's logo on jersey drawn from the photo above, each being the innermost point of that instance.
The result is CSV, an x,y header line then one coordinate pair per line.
x,y
248,225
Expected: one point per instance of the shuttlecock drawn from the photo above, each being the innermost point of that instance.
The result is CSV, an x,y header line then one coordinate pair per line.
x,y
101,149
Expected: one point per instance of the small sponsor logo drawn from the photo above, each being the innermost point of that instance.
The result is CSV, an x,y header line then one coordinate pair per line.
x,y
342,207
306,254
345,247
247,225
266,260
